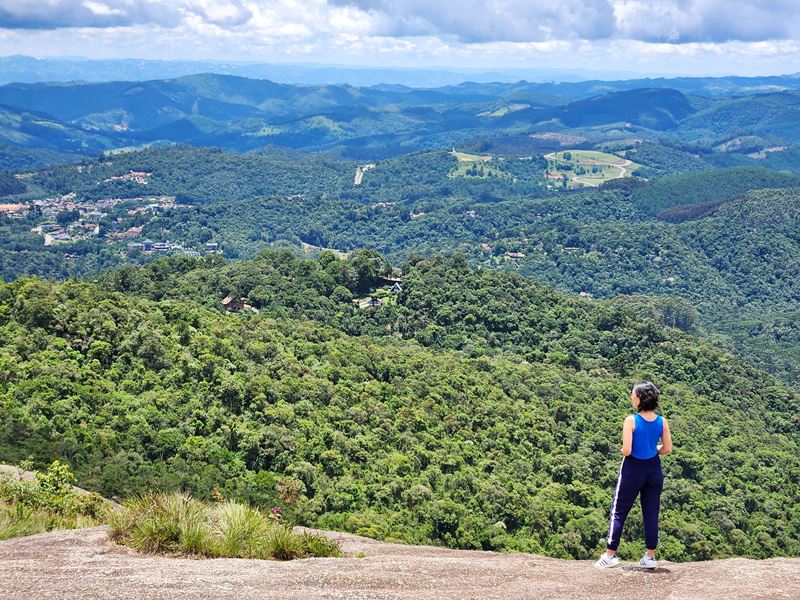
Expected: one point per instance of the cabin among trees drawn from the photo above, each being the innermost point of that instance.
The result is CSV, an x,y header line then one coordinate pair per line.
x,y
231,304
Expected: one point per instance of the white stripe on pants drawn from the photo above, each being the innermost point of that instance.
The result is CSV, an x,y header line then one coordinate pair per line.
x,y
614,503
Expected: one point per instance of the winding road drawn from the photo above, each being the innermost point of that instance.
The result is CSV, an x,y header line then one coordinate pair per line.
x,y
623,171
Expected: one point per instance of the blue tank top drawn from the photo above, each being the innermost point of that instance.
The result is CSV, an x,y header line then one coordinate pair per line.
x,y
645,437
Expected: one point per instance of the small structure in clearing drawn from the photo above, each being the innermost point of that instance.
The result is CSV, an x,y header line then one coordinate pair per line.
x,y
371,302
231,304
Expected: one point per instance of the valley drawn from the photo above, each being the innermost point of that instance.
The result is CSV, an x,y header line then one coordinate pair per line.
x,y
411,314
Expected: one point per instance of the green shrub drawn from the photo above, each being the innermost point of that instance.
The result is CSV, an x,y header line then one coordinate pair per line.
x,y
163,524
319,546
241,530
46,503
283,544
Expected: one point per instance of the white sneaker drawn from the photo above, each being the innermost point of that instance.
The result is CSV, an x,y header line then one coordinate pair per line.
x,y
647,562
606,561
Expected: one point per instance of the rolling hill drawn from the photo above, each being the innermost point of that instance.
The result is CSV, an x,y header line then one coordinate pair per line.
x,y
239,114
475,398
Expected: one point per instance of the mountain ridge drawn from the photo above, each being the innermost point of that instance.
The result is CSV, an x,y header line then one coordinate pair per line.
x,y
242,114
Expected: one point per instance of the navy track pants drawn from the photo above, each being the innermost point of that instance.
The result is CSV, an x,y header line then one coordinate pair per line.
x,y
645,479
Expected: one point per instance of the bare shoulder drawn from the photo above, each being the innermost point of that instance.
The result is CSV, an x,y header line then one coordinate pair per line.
x,y
630,419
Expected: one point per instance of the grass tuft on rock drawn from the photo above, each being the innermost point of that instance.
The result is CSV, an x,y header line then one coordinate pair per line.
x,y
178,525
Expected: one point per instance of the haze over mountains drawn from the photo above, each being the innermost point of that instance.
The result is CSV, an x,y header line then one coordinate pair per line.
x,y
241,114
31,70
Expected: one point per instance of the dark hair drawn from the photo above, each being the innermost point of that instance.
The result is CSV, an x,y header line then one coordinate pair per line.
x,y
648,394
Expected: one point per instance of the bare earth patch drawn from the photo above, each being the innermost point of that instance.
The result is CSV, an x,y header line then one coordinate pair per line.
x,y
84,564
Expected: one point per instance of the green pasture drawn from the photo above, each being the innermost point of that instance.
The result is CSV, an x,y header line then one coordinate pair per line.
x,y
467,157
589,167
475,166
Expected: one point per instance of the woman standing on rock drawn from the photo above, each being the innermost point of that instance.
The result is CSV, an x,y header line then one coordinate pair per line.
x,y
639,474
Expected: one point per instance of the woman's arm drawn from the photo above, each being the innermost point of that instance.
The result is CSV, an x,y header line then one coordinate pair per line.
x,y
627,435
666,439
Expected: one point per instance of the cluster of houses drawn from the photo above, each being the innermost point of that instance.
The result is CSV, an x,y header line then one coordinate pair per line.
x,y
14,211
96,209
58,234
125,234
139,177
150,247
89,215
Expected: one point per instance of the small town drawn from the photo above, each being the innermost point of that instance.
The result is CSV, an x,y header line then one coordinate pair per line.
x,y
69,220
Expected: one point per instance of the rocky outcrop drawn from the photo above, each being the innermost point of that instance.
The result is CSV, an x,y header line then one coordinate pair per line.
x,y
85,564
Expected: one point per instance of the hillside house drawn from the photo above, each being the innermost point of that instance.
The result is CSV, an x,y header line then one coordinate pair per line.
x,y
233,305
390,279
515,255
370,303
230,304
396,288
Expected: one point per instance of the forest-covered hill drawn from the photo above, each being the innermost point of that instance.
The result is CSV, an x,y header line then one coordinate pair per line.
x,y
702,235
476,409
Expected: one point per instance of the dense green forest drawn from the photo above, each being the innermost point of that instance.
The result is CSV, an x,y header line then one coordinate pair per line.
x,y
479,410
707,186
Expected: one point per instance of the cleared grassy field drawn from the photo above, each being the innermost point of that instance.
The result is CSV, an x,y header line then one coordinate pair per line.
x,y
589,168
467,157
475,166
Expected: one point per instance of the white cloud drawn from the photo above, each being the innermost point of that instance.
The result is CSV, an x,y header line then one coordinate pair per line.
x,y
662,35
485,21
98,8
467,21
57,14
682,21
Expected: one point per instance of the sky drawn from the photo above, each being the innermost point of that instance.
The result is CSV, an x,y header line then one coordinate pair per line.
x,y
688,37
